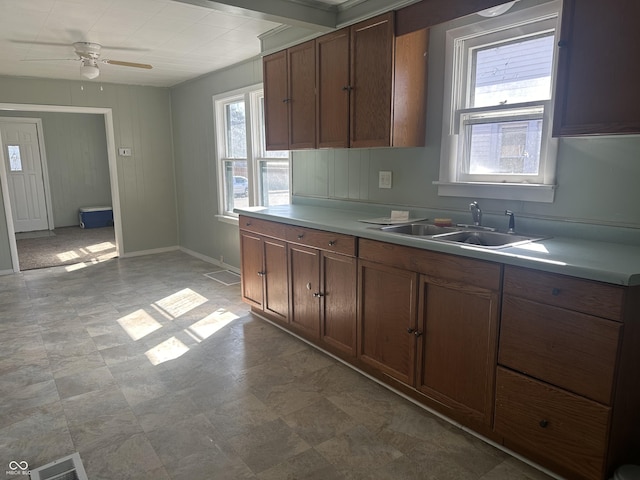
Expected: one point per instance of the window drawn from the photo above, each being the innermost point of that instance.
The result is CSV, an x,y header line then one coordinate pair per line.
x,y
248,174
496,140
15,159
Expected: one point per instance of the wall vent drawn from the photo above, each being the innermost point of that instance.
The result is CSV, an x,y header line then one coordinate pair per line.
x,y
65,468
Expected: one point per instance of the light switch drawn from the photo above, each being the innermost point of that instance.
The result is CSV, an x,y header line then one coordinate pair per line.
x,y
384,179
124,152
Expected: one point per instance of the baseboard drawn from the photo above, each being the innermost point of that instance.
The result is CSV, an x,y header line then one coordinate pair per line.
x,y
208,259
153,251
6,272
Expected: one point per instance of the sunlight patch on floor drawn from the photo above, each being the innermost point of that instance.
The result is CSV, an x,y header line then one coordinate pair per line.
x,y
210,324
66,256
181,302
139,324
170,349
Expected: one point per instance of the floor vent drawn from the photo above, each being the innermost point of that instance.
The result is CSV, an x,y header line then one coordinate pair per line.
x,y
226,277
65,468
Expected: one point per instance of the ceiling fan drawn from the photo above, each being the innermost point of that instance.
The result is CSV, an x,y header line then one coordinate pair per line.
x,y
88,54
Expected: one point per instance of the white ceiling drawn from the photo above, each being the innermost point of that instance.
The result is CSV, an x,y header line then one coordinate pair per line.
x,y
179,38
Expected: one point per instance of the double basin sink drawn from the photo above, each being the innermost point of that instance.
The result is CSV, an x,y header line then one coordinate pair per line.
x,y
470,235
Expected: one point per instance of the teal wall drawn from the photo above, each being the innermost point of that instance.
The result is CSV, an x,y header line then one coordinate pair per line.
x,y
142,121
194,152
76,152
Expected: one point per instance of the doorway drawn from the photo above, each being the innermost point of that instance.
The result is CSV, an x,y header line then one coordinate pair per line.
x,y
11,227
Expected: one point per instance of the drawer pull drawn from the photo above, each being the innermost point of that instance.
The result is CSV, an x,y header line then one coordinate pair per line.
x,y
261,274
318,295
544,423
332,243
555,292
300,236
248,224
309,286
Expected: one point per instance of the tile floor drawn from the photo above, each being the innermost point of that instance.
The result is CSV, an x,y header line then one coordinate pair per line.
x,y
153,371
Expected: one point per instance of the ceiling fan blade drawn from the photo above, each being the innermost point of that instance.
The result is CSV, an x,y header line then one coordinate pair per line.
x,y
45,44
128,64
49,59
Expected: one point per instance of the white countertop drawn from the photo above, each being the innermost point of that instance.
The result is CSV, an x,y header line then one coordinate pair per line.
x,y
613,263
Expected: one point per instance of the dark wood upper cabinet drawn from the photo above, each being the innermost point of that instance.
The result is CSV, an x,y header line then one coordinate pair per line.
x,y
369,88
598,70
289,98
332,60
371,82
276,94
301,99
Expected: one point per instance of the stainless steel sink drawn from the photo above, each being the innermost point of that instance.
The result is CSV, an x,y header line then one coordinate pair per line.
x,y
479,236
418,229
485,239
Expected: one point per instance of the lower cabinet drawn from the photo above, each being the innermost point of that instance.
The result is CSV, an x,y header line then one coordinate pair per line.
x,y
322,287
264,281
457,337
387,315
431,324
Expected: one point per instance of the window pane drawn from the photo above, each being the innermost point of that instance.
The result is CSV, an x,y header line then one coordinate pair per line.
x,y
236,130
274,182
15,160
505,148
236,185
512,72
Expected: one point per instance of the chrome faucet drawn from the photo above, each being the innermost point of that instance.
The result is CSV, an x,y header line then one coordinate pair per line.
x,y
512,221
476,213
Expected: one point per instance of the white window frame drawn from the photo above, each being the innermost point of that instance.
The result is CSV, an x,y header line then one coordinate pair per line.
x,y
459,40
254,125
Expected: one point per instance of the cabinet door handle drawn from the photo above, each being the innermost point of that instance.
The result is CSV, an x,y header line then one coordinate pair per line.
x,y
410,330
248,224
544,423
555,292
332,243
417,333
262,274
286,100
347,88
309,286
318,294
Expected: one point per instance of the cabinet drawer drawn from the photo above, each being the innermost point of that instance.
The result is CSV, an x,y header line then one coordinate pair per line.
x,y
585,296
550,425
440,265
263,227
568,349
332,242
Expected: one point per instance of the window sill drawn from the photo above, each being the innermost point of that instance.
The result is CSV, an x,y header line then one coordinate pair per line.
x,y
499,191
233,220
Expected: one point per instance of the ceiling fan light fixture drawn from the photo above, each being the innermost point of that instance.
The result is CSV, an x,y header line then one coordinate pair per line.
x,y
89,69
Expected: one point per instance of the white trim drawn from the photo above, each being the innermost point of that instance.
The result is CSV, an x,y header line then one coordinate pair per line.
x,y
43,162
448,183
208,259
500,191
113,169
6,272
153,251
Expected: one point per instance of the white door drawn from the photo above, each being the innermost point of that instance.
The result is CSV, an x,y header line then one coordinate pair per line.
x,y
24,174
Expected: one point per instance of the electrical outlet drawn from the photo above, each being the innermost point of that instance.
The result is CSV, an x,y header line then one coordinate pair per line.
x,y
124,152
384,179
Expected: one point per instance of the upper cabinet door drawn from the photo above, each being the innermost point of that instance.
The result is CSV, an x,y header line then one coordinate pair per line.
x,y
276,101
598,69
332,57
372,48
302,95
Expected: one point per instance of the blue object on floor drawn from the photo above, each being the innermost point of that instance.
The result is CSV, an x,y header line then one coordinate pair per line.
x,y
94,217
